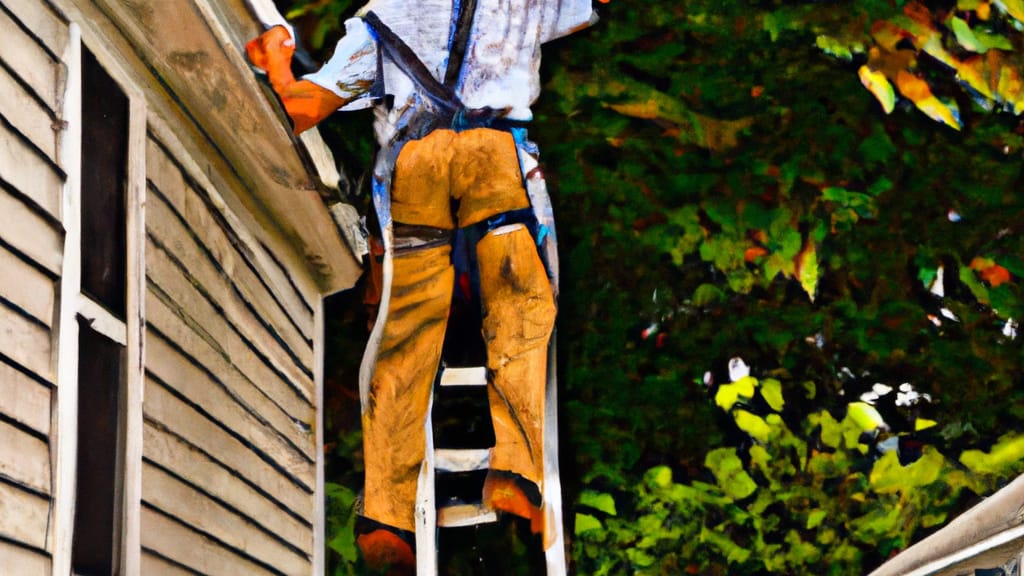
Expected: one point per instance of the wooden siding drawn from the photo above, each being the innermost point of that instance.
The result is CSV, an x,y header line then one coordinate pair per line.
x,y
24,515
229,455
31,255
23,561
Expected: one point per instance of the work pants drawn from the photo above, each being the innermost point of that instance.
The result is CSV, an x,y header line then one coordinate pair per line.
x,y
448,180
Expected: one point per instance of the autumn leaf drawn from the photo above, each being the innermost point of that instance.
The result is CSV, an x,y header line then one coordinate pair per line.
x,y
637,100
990,272
917,91
876,83
1014,8
965,37
753,253
807,269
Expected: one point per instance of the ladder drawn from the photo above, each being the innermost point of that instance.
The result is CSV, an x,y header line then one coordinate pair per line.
x,y
430,516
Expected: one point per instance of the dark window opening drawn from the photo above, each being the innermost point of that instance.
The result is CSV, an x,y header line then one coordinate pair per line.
x,y
101,361
104,171
100,380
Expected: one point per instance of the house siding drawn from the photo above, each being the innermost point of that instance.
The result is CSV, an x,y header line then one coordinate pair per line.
x,y
228,455
31,255
229,458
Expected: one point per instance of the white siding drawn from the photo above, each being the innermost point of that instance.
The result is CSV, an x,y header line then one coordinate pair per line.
x,y
229,449
31,254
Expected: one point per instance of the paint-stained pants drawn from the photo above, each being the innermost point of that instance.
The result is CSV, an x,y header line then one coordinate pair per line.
x,y
476,172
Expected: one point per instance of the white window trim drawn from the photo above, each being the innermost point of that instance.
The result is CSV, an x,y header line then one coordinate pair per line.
x,y
319,563
130,333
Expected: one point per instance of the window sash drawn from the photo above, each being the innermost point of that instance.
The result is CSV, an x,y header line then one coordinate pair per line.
x,y
127,331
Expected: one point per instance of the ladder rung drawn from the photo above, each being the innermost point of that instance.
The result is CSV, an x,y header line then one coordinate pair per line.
x,y
453,460
461,515
472,376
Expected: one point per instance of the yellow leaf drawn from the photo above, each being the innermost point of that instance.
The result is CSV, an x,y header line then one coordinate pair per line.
x,y
917,91
1014,8
877,84
1003,456
1010,88
865,416
771,391
807,269
728,394
647,110
753,425
924,424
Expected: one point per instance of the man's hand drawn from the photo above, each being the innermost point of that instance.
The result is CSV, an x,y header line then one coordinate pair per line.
x,y
272,53
305,102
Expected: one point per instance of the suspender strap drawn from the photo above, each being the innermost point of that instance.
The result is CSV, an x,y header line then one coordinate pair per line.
x,y
398,51
449,106
460,39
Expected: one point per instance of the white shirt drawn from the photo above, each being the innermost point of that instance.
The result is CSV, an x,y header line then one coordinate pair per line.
x,y
501,63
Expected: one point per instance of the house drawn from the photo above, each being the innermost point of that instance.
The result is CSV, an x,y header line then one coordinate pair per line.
x,y
165,248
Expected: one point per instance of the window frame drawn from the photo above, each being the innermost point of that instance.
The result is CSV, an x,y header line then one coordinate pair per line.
x,y
74,304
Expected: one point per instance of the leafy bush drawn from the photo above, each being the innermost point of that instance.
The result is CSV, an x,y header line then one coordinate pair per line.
x,y
825,498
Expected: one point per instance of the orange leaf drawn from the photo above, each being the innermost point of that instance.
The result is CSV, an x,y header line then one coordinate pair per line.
x,y
995,275
753,253
990,272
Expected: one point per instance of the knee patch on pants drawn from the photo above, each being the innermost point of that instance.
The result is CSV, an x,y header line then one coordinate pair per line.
x,y
519,306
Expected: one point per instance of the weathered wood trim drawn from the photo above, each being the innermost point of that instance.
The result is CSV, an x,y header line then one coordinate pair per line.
x,y
102,321
132,414
27,232
178,416
23,516
25,286
65,440
191,464
212,399
173,539
23,561
24,399
319,494
169,495
225,241
227,284
169,280
29,59
73,303
207,73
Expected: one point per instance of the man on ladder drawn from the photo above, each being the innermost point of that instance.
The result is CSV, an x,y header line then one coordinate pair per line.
x,y
451,82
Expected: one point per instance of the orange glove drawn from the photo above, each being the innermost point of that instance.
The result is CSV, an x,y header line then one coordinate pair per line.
x,y
305,102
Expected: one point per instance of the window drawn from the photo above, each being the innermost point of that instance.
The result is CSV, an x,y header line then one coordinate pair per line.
x,y
104,187
99,402
101,336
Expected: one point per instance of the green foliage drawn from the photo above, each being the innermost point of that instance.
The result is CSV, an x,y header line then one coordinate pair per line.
x,y
340,527
794,502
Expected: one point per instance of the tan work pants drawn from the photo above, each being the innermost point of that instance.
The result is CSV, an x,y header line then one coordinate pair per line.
x,y
477,172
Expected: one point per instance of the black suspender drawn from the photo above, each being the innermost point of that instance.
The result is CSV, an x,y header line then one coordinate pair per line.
x,y
398,51
447,103
460,39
